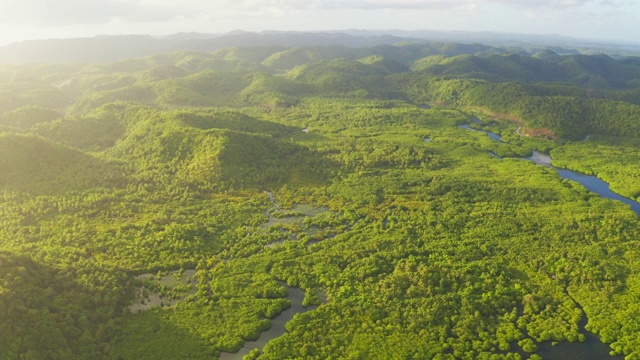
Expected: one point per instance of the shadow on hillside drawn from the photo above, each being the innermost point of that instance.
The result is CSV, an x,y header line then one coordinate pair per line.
x,y
150,335
41,302
256,161
231,120
34,165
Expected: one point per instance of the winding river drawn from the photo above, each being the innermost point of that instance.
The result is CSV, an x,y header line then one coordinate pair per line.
x,y
592,348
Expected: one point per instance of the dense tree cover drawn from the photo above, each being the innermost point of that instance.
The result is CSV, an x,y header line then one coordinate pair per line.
x,y
565,112
593,71
242,171
549,95
47,313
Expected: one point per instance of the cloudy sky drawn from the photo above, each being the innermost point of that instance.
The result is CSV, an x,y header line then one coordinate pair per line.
x,y
592,19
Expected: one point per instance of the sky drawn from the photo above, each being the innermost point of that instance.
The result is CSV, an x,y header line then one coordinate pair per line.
x,y
614,20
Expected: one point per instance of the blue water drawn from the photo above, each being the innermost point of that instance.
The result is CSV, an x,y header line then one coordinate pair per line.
x,y
466,126
492,135
598,186
592,183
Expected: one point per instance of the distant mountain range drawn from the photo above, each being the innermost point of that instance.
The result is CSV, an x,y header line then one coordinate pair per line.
x,y
113,48
107,48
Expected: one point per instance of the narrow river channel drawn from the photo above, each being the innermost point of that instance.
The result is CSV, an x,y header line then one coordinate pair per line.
x,y
277,328
592,183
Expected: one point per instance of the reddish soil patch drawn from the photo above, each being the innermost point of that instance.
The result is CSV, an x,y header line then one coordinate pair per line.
x,y
516,120
540,132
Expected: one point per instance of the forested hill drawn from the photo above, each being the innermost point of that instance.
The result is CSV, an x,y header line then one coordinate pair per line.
x,y
108,48
563,96
170,206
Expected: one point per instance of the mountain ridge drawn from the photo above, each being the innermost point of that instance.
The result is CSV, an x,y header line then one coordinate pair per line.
x,y
108,48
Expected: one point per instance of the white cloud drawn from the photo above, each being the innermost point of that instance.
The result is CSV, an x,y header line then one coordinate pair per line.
x,y
64,18
411,4
69,12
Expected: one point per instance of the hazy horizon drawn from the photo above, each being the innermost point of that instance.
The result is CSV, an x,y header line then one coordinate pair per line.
x,y
604,20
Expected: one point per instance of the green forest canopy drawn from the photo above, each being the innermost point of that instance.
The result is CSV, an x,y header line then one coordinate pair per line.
x,y
187,178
